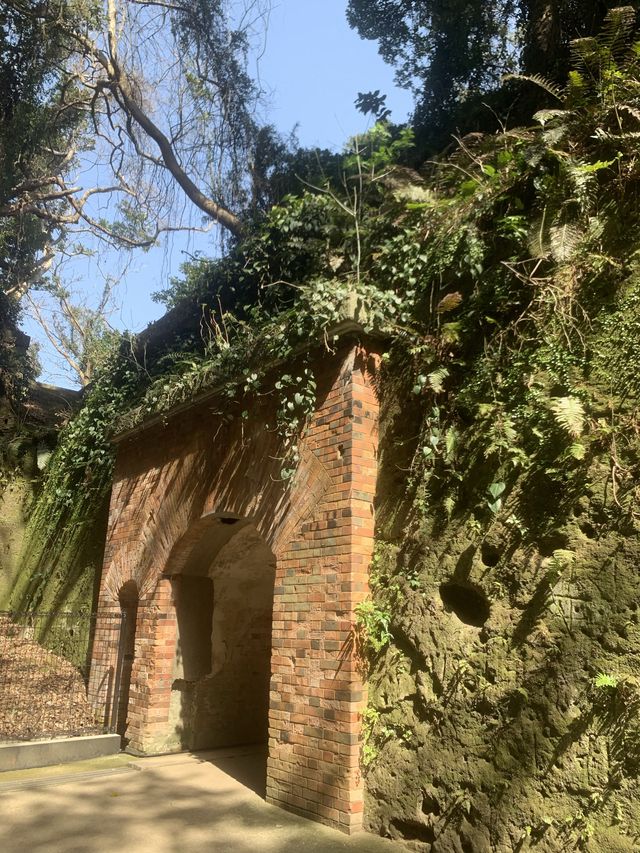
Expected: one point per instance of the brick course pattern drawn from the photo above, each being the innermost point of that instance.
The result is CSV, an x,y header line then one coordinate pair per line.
x,y
171,479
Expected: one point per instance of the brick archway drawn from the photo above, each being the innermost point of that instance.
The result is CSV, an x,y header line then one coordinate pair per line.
x,y
176,480
222,574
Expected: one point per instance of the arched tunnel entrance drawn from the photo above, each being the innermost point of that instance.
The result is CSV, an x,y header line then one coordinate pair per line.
x,y
222,588
198,511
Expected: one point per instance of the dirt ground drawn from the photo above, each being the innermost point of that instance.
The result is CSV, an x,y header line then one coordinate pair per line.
x,y
42,695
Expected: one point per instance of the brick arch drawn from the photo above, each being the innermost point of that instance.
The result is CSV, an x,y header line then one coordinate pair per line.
x,y
211,532
222,575
175,479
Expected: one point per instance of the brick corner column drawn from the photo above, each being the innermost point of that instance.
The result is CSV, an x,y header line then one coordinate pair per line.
x,y
317,689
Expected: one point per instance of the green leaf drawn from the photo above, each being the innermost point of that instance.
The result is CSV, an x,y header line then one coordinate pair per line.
x,y
496,489
564,241
603,681
468,188
436,379
589,168
540,81
543,116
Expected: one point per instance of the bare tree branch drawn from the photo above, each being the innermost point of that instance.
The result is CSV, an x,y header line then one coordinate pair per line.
x,y
151,99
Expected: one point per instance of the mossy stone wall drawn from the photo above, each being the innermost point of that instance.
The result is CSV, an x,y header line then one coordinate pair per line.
x,y
504,712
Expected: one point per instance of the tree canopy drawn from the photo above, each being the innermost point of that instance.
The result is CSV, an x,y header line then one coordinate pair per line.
x,y
122,118
449,51
37,141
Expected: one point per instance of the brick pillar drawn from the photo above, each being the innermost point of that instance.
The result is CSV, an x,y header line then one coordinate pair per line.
x,y
317,692
150,695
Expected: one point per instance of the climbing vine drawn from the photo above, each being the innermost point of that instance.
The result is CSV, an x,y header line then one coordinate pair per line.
x,y
481,269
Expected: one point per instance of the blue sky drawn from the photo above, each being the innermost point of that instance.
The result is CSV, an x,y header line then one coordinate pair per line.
x,y
312,67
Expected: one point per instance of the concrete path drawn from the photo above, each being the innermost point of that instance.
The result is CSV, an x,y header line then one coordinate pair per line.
x,y
189,803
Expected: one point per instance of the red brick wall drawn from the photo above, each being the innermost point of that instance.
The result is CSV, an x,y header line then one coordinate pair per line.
x,y
169,480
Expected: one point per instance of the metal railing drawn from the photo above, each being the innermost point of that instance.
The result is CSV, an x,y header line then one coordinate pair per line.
x,y
45,668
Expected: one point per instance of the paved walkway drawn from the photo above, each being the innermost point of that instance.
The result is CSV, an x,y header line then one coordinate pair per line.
x,y
189,803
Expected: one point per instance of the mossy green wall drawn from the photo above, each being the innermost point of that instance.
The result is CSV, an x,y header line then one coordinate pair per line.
x,y
14,497
505,717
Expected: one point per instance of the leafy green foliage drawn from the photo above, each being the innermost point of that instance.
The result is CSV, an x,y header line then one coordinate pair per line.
x,y
501,277
454,53
372,627
604,681
569,413
76,484
494,497
35,138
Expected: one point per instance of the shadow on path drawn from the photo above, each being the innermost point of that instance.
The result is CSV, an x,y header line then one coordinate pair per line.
x,y
174,804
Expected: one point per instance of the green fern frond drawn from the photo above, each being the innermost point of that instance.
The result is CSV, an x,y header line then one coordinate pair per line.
x,y
554,135
543,116
561,559
576,83
586,56
604,681
597,166
577,451
538,239
617,28
540,81
563,242
569,414
632,111
436,379
595,227
585,186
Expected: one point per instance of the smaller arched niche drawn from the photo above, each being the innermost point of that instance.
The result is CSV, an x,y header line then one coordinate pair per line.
x,y
222,579
128,598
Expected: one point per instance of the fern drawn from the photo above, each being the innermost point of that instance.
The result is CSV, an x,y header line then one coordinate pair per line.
x,y
586,55
585,186
436,379
590,168
537,240
560,560
555,134
604,136
569,414
543,116
540,81
576,84
627,108
604,681
449,302
564,241
577,451
617,28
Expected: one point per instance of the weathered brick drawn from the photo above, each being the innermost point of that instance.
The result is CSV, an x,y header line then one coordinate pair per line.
x,y
319,526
